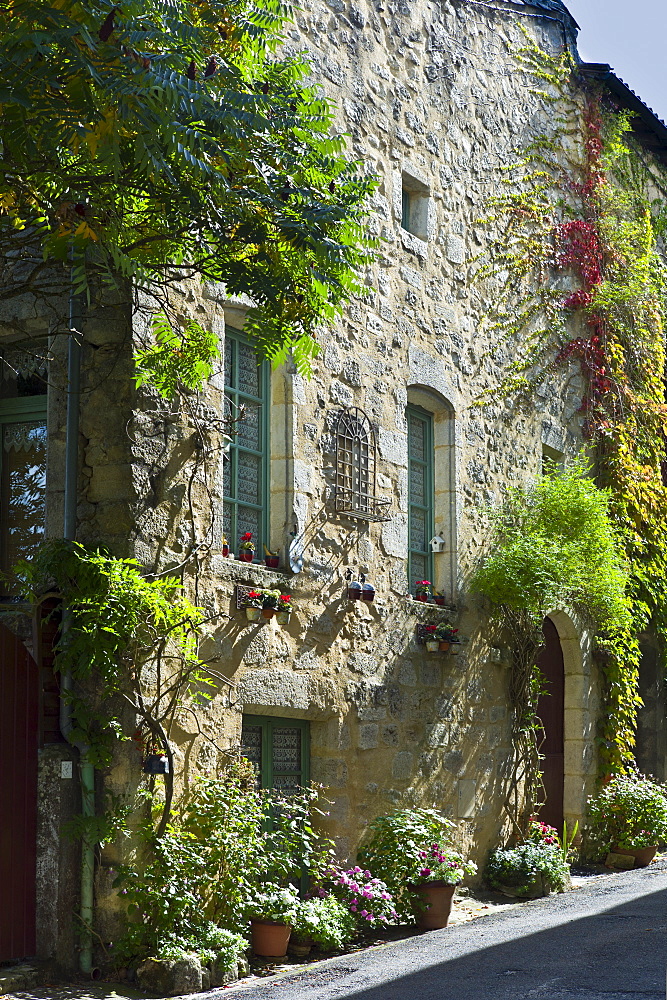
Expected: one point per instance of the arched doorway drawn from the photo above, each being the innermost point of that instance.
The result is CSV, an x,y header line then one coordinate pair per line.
x,y
19,724
551,712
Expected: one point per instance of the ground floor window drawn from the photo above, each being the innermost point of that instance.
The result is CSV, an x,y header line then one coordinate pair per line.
x,y
278,749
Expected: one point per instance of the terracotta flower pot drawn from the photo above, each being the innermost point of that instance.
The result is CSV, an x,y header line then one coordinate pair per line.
x,y
245,555
268,612
421,597
269,939
283,617
444,646
643,855
271,561
253,614
437,898
440,601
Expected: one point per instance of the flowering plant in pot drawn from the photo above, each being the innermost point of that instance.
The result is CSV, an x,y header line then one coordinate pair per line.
x,y
528,870
270,602
253,605
272,911
627,816
431,640
365,897
422,590
271,559
447,636
246,547
443,868
284,609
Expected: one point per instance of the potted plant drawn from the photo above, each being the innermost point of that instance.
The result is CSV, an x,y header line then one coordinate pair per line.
x,y
527,871
430,639
253,605
225,546
367,592
323,921
422,590
246,547
272,911
442,870
270,601
284,609
393,852
354,591
446,635
628,816
366,898
271,559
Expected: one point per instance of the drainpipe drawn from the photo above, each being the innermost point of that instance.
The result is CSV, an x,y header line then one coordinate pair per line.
x,y
87,770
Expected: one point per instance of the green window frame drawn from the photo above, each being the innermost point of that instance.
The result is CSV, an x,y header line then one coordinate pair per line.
x,y
279,750
420,494
246,466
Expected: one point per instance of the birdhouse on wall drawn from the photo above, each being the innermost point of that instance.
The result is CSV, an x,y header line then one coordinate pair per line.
x,y
438,544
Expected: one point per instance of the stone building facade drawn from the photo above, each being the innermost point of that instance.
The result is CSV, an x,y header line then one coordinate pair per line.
x,y
436,103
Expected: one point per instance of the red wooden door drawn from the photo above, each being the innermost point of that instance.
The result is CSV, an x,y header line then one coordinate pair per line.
x,y
551,711
19,718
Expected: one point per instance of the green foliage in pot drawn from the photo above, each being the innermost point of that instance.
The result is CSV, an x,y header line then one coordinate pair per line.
x,y
223,846
394,850
629,812
443,864
213,945
519,866
274,902
325,921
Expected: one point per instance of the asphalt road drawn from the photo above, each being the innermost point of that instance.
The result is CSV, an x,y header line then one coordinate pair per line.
x,y
606,941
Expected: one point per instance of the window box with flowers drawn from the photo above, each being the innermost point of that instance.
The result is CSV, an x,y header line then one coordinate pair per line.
x,y
448,639
431,640
284,609
253,605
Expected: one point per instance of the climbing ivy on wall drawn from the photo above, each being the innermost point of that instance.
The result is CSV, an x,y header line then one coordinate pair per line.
x,y
580,253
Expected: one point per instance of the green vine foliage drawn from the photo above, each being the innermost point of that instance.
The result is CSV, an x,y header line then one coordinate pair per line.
x,y
554,546
582,222
120,625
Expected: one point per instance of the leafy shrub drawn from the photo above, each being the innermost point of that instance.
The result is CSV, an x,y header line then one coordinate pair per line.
x,y
325,921
274,902
393,852
222,847
629,812
518,866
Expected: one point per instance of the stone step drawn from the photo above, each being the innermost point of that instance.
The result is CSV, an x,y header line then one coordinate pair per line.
x,y
14,978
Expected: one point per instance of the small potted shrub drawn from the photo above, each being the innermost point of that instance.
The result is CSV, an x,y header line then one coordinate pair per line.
x,y
253,605
628,816
272,911
446,635
270,602
442,870
430,639
284,609
422,590
271,559
527,871
322,921
246,547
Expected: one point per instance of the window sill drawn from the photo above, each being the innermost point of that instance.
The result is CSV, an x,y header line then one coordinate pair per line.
x,y
225,568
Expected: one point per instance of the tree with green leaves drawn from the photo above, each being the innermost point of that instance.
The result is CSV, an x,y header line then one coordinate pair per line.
x,y
147,144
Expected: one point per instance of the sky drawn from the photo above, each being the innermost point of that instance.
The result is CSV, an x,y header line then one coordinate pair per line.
x,y
629,35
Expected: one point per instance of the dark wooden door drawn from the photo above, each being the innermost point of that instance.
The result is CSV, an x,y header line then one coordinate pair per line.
x,y
19,718
551,711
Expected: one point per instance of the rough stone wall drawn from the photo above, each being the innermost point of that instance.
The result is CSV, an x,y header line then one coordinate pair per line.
x,y
432,96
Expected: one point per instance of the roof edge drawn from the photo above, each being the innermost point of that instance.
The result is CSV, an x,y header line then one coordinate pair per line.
x,y
605,75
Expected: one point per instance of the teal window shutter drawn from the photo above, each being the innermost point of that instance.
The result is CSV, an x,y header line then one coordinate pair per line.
x,y
420,494
278,749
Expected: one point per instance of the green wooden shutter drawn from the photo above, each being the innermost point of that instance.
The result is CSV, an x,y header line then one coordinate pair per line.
x,y
278,750
246,468
420,494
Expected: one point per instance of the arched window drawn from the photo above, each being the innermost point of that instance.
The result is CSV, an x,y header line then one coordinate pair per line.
x,y
355,468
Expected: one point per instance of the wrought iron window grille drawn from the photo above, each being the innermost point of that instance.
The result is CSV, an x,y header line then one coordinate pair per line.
x,y
355,468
